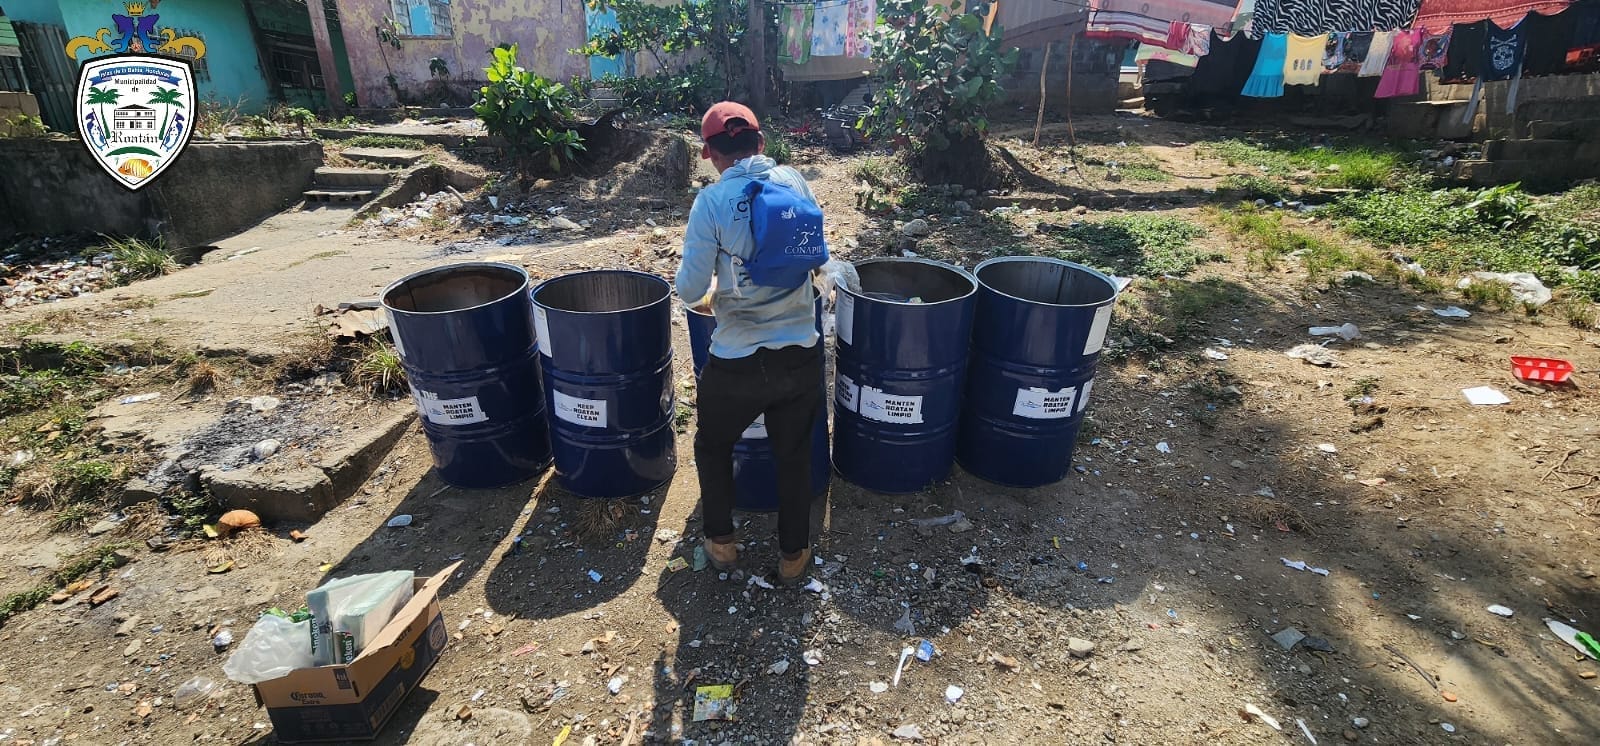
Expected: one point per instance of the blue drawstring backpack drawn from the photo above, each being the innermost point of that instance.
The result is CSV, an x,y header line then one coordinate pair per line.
x,y
787,228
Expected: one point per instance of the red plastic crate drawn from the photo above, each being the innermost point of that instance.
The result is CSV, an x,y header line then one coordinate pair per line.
x,y
1541,369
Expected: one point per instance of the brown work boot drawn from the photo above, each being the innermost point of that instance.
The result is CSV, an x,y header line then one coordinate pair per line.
x,y
723,553
792,568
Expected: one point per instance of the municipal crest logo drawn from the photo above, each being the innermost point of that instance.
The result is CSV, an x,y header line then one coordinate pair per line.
x,y
134,114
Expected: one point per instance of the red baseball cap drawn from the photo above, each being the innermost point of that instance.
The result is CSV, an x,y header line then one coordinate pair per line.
x,y
718,117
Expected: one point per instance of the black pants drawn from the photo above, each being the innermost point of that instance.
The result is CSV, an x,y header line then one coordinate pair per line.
x,y
786,386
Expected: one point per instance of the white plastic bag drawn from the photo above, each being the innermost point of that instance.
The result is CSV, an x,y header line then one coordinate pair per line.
x,y
274,647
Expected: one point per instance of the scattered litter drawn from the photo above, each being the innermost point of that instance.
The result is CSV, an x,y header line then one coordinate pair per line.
x,y
878,687
1345,332
1163,447
1499,610
1453,313
944,520
759,582
1288,638
1305,730
1485,395
1328,448
1448,728
908,733
1216,354
816,586
677,563
399,521
714,703
904,626
812,657
1302,566
905,653
138,399
1579,640
666,535
700,560
1318,644
925,651
1315,355
1361,722
1526,289
780,668
194,690
1414,617
223,639
615,685
596,576
1253,711
1541,369
952,693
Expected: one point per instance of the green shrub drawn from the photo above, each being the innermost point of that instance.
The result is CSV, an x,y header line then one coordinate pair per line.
x,y
529,111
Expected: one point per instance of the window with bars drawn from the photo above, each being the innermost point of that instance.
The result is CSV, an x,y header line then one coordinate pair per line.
x,y
422,17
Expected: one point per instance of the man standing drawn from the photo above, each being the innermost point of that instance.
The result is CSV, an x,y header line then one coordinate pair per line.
x,y
765,356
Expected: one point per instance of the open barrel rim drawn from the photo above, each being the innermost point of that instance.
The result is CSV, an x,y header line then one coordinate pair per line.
x,y
953,269
555,282
977,273
383,298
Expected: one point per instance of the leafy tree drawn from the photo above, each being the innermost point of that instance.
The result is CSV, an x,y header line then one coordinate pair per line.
x,y
530,112
719,28
938,73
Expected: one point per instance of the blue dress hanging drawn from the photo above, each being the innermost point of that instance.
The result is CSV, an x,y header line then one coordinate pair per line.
x,y
1266,79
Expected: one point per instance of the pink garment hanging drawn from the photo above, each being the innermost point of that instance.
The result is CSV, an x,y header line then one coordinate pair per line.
x,y
862,18
1402,72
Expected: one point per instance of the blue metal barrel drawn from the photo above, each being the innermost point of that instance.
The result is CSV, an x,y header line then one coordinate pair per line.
x,y
900,365
755,472
465,335
606,337
1040,327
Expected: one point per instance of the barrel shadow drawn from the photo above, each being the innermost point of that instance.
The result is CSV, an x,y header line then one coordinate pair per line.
x,y
566,543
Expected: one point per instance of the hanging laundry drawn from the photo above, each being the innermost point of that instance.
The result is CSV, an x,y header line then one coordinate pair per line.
x,y
1333,52
1229,62
1242,17
1377,55
1266,79
1310,17
1177,34
1402,76
1153,53
1357,45
1303,62
1435,48
1465,55
794,28
1547,39
1504,13
1150,21
863,17
1502,53
1197,41
830,25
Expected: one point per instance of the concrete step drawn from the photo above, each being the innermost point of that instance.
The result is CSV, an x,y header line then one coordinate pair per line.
x,y
1583,131
384,156
336,176
1538,174
1529,150
338,195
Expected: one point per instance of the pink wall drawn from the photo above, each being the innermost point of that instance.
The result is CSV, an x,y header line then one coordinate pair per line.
x,y
543,30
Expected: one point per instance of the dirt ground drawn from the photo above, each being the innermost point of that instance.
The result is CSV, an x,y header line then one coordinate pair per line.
x,y
1197,479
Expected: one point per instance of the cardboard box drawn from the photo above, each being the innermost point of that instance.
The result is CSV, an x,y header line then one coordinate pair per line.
x,y
353,701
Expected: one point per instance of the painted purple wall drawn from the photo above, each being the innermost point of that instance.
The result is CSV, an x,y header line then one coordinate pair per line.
x,y
543,29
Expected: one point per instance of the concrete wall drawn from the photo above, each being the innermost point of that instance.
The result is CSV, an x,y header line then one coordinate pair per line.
x,y
214,190
13,103
1492,120
1095,67
544,29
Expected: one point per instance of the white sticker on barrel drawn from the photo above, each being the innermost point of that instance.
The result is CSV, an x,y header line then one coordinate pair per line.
x,y
885,407
846,393
844,317
394,333
585,412
757,430
449,411
1043,404
1097,332
541,327
1083,398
